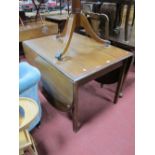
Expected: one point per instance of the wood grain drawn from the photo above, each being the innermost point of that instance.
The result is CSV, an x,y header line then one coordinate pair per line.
x,y
55,82
35,30
84,55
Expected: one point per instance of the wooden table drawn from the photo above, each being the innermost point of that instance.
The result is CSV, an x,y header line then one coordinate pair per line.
x,y
36,29
60,19
85,60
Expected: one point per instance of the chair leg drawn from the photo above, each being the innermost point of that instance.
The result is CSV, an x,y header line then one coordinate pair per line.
x,y
117,15
133,19
126,21
120,14
33,149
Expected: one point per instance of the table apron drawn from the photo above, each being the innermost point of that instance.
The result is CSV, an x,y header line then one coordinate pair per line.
x,y
99,73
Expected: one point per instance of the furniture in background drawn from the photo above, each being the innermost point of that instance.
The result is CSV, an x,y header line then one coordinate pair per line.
x,y
99,7
28,111
59,19
117,13
29,77
118,20
87,7
37,4
120,5
22,17
110,10
37,29
30,29
129,5
96,21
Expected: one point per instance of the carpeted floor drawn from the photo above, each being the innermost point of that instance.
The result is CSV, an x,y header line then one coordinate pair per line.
x,y
107,129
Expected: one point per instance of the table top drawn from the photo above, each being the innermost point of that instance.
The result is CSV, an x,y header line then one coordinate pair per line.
x,y
33,14
83,58
34,25
58,17
30,111
36,30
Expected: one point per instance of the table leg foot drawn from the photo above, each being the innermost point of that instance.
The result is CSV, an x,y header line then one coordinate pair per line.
x,y
76,126
121,94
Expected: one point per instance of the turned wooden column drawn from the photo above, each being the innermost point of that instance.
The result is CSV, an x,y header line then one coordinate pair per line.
x,y
37,7
76,20
76,6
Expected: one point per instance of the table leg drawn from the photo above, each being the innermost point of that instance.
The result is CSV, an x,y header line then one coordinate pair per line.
x,y
121,8
127,21
75,110
33,147
133,19
61,26
128,63
117,15
120,81
37,14
37,9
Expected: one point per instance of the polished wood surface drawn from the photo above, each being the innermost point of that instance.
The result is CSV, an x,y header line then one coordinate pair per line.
x,y
84,56
75,20
37,29
56,83
76,6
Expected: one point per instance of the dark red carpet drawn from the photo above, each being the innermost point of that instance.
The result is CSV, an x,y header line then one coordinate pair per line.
x,y
108,129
